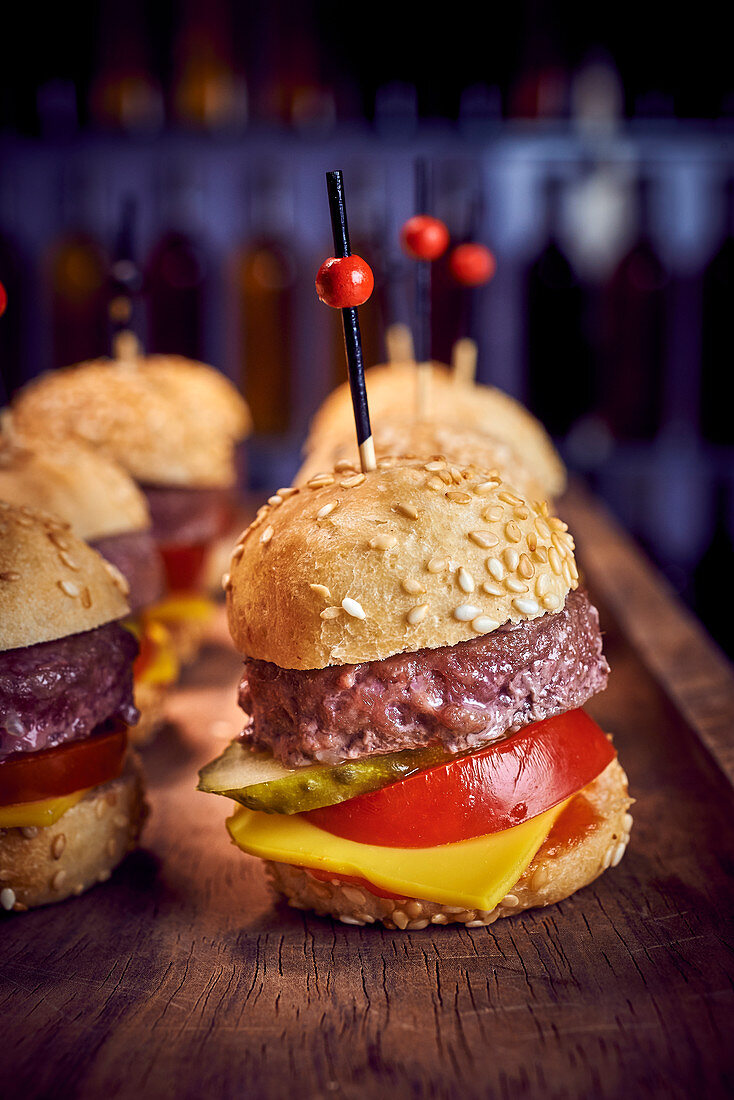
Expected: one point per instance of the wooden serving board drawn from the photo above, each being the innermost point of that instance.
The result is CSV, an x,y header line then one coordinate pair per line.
x,y
180,977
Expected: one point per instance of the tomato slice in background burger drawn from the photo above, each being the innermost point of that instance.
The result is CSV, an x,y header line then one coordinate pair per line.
x,y
76,766
184,565
494,789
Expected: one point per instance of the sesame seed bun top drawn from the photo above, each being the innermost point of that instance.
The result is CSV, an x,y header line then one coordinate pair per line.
x,y
51,583
166,420
79,484
391,391
428,439
356,567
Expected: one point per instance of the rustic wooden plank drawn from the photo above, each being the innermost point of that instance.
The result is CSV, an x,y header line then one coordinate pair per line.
x,y
671,641
181,978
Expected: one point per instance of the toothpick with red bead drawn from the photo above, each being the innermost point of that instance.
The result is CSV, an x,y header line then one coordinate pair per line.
x,y
425,239
345,281
471,265
3,307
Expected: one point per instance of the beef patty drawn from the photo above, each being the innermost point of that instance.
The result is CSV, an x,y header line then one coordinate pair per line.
x,y
60,691
187,515
136,556
460,696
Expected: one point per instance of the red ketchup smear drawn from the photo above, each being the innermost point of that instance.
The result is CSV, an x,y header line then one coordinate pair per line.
x,y
184,565
577,821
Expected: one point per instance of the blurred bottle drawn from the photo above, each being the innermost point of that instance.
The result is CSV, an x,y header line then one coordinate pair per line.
x,y
715,563
265,283
718,332
208,91
125,92
176,271
633,333
559,357
78,267
125,282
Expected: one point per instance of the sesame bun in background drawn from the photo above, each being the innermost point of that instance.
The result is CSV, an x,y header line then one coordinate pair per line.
x,y
417,654
428,439
71,795
167,421
75,481
391,390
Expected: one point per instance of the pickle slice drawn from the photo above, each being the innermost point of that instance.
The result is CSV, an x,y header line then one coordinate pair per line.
x,y
258,781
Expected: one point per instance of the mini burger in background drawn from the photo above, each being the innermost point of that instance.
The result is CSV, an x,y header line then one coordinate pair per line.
x,y
174,425
105,508
460,407
71,793
429,438
417,657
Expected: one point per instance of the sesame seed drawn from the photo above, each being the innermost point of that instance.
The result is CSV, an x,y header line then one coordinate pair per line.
x,y
445,477
572,568
496,568
458,498
9,575
68,561
539,879
485,539
439,918
330,613
417,614
627,822
69,588
435,484
267,534
618,853
512,531
557,524
58,845
225,581
321,590
383,542
542,528
352,482
526,606
437,565
492,588
542,585
509,498
483,624
58,880
532,541
525,567
484,488
541,554
289,491
412,586
512,559
551,602
437,464
237,554
465,579
522,512
407,510
327,509
353,608
555,561
29,831
512,584
493,514
465,612
86,598
559,545
566,573
320,481
509,901
7,898
344,464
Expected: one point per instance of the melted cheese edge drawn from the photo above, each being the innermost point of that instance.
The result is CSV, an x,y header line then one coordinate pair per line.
x,y
43,813
474,873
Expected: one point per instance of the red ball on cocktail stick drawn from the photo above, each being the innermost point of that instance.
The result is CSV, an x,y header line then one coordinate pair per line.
x,y
424,237
344,282
472,264
3,299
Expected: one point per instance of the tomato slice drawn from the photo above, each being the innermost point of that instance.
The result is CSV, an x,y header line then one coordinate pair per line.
x,y
184,565
485,792
51,773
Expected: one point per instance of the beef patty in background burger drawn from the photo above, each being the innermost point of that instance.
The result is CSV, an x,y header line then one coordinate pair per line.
x,y
106,508
417,655
173,425
71,792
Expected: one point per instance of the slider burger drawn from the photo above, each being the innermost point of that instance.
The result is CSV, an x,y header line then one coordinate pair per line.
x,y
106,508
398,436
71,795
173,424
417,657
392,393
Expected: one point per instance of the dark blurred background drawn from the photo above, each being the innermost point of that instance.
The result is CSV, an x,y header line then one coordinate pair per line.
x,y
179,149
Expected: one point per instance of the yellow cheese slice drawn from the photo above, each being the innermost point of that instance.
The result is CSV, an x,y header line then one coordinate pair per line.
x,y
41,814
163,666
182,607
475,873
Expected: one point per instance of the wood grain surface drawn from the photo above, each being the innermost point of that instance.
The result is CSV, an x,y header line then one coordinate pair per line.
x,y
182,978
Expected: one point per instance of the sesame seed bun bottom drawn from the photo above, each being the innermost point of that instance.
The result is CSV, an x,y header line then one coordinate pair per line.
x,y
563,865
39,866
